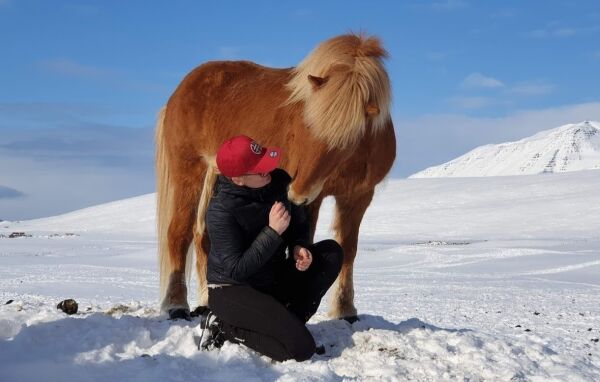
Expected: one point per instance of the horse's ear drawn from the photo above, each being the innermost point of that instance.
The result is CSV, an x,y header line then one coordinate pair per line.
x,y
317,82
372,109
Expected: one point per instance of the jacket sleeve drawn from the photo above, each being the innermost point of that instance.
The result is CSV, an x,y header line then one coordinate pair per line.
x,y
226,240
299,227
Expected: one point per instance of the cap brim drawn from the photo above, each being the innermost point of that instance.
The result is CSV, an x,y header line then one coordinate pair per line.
x,y
269,161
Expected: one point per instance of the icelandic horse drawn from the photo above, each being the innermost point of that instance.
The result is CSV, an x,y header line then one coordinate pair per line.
x,y
331,117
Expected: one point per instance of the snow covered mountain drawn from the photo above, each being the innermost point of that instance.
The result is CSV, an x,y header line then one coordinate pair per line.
x,y
566,148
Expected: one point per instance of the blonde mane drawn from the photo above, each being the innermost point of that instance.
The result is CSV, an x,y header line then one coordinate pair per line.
x,y
355,77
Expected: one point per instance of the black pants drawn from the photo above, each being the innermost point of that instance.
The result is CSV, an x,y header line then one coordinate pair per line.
x,y
274,324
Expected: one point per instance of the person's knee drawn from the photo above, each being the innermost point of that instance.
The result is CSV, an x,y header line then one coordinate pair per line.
x,y
333,252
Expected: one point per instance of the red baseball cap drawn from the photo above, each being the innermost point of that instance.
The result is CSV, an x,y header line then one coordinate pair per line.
x,y
241,155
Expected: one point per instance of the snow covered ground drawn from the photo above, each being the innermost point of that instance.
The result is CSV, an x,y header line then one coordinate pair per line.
x,y
472,279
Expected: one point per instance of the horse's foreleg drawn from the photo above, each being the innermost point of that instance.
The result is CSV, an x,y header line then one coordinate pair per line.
x,y
313,215
349,211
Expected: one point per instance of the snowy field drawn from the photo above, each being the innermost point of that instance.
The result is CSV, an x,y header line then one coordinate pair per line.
x,y
475,279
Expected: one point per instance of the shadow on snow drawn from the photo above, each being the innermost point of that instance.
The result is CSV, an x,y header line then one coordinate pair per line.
x,y
98,346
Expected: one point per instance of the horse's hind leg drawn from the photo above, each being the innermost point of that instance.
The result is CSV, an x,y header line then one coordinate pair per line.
x,y
350,210
186,192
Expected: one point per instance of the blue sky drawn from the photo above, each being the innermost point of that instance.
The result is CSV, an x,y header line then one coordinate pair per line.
x,y
81,81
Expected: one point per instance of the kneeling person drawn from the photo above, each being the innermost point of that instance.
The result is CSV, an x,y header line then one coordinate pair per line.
x,y
262,298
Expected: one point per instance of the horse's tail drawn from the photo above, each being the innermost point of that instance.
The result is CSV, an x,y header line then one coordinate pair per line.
x,y
200,227
207,190
164,204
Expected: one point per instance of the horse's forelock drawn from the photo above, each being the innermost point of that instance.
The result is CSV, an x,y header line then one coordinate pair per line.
x,y
372,47
355,76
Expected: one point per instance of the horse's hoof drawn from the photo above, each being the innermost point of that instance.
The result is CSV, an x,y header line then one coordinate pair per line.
x,y
179,313
200,311
320,349
351,319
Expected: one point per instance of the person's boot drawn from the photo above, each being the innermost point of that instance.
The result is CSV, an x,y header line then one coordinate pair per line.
x,y
212,333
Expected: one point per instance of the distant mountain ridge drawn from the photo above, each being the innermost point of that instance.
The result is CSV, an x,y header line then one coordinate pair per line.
x,y
570,147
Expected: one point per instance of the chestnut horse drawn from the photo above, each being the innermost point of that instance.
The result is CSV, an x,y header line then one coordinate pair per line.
x,y
331,116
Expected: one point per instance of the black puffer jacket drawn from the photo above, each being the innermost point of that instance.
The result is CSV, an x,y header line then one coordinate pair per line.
x,y
243,248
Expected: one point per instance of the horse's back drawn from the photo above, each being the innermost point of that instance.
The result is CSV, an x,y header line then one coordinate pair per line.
x,y
231,80
220,99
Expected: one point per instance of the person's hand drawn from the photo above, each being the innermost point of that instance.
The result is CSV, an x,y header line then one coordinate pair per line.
x,y
279,218
303,258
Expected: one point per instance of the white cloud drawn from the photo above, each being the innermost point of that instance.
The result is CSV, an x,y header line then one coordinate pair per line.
x,y
478,80
448,5
539,33
82,9
529,89
555,31
508,13
435,56
470,103
229,52
8,192
107,77
53,187
565,32
302,13
54,159
70,68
